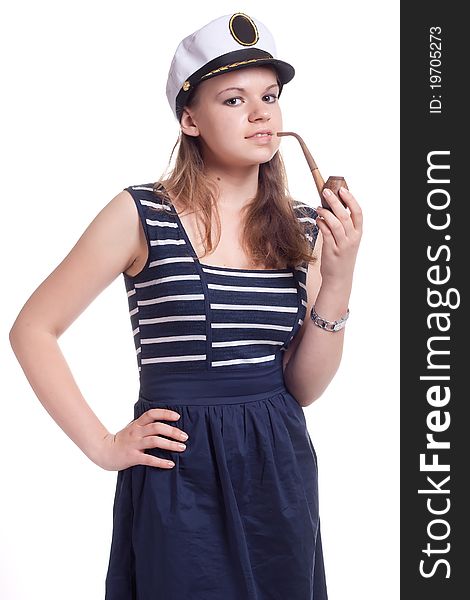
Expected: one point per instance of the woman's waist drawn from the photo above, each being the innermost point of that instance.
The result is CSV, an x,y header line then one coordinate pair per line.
x,y
214,386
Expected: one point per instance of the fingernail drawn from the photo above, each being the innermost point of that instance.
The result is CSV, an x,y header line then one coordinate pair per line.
x,y
343,189
326,192
171,464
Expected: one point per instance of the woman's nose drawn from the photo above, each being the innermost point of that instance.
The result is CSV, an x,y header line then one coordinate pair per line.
x,y
262,113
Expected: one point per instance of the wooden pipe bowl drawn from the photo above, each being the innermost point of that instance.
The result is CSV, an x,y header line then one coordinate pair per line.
x,y
333,183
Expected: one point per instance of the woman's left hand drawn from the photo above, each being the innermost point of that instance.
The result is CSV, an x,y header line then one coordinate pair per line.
x,y
342,231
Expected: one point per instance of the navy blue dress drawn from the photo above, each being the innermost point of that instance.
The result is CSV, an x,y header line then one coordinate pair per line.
x,y
237,518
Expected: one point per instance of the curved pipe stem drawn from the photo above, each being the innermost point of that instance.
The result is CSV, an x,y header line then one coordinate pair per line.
x,y
319,182
333,182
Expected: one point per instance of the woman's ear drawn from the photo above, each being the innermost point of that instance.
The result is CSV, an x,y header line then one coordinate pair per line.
x,y
188,124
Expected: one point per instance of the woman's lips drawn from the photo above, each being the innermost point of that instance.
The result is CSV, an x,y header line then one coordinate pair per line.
x,y
265,138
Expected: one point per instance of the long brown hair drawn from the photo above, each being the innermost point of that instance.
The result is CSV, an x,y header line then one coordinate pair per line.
x,y
272,236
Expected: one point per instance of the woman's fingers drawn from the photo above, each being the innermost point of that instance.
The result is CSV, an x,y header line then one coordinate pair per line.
x,y
157,428
156,441
325,231
353,205
148,440
339,222
331,226
338,215
150,427
153,461
163,414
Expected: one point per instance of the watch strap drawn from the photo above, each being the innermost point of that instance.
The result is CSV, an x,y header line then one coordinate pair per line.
x,y
328,325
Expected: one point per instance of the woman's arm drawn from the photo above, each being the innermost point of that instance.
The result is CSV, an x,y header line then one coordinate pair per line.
x,y
315,354
313,359
108,246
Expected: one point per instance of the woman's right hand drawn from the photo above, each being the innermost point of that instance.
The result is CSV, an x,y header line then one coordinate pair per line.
x,y
127,447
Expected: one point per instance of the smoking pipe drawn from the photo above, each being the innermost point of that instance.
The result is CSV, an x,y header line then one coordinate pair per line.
x,y
332,183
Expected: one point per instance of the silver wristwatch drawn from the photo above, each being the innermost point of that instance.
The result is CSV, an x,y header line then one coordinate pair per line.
x,y
328,325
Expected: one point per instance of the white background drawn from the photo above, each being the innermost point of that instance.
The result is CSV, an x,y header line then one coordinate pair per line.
x,y
84,114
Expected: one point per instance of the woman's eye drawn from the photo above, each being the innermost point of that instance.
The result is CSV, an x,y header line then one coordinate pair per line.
x,y
272,96
229,100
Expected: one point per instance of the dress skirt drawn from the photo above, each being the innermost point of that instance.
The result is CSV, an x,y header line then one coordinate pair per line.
x,y
237,518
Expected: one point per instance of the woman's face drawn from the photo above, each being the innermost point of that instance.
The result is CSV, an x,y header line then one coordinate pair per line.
x,y
224,119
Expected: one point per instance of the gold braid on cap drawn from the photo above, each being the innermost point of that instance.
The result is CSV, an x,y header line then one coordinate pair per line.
x,y
243,62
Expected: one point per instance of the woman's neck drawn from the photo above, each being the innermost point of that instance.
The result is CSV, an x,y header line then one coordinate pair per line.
x,y
237,186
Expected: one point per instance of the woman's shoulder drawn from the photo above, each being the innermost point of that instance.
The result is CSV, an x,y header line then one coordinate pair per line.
x,y
142,187
141,190
305,212
149,195
307,216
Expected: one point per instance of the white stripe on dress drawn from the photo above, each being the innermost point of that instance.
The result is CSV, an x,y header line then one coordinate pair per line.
x,y
245,343
240,361
157,223
172,338
166,242
242,274
161,359
184,297
239,288
290,309
250,326
173,259
165,279
172,318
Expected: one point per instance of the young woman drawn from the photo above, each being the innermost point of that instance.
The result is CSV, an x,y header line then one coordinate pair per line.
x,y
228,303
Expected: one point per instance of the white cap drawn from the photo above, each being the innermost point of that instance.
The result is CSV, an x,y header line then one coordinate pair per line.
x,y
225,44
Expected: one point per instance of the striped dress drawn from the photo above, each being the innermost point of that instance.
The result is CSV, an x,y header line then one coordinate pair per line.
x,y
237,517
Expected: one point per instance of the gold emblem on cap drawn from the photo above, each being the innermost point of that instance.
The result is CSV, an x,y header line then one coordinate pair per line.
x,y
186,86
251,34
